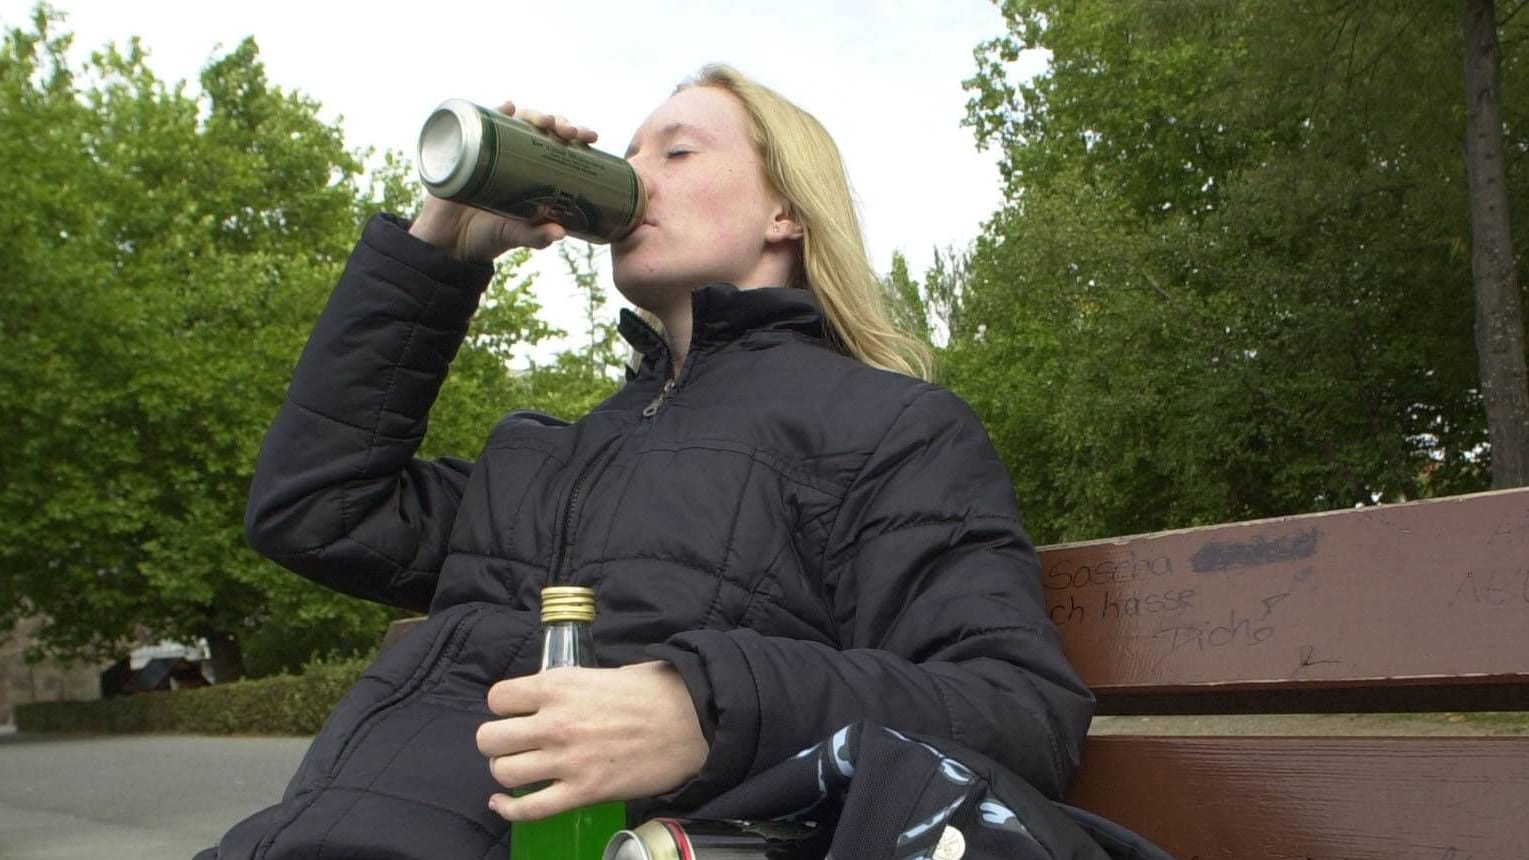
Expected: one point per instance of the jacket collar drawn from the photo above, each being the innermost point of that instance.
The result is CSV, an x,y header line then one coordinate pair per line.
x,y
722,313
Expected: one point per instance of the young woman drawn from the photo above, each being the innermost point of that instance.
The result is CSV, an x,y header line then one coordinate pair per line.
x,y
786,529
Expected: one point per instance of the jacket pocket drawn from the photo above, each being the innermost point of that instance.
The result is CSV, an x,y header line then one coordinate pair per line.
x,y
399,673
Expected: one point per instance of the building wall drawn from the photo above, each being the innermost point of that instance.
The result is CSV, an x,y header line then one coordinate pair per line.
x,y
47,681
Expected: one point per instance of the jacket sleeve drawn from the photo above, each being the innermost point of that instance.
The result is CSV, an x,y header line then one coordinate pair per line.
x,y
338,495
936,592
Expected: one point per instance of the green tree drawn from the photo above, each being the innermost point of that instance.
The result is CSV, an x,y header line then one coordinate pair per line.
x,y
906,299
1230,278
578,379
602,350
933,310
164,259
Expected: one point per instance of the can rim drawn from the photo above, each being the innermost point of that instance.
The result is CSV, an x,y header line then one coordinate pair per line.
x,y
654,839
449,144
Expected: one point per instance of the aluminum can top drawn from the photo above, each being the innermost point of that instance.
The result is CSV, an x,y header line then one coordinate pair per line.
x,y
450,144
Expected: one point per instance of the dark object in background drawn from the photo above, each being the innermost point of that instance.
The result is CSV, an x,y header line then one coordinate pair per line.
x,y
162,674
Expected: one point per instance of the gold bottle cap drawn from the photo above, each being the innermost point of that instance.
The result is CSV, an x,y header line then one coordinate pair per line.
x,y
568,603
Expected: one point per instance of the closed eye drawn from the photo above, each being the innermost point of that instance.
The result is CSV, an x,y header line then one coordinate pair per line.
x,y
679,151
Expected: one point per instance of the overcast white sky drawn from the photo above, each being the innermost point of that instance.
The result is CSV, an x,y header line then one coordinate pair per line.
x,y
884,77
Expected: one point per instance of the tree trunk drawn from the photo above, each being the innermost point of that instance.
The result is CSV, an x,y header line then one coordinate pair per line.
x,y
1499,305
225,655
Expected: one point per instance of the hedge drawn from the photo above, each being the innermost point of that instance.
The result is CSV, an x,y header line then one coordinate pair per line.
x,y
279,705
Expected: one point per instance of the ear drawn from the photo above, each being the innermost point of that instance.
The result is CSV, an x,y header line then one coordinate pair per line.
x,y
784,226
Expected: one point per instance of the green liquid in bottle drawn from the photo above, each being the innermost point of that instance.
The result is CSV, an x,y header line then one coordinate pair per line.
x,y
578,834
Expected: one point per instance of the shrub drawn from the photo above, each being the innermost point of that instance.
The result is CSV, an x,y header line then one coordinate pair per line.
x,y
279,705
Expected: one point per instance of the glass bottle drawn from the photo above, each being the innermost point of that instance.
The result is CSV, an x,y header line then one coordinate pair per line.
x,y
568,612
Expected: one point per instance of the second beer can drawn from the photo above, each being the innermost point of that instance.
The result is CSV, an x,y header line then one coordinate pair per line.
x,y
680,839
483,158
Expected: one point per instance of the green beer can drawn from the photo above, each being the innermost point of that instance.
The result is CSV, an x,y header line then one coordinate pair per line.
x,y
477,156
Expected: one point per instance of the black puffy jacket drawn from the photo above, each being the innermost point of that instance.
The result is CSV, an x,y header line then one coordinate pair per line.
x,y
810,541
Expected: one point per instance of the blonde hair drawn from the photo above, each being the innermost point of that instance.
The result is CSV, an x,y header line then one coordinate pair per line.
x,y
802,164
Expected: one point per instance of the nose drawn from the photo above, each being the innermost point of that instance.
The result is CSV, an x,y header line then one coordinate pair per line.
x,y
644,161
643,167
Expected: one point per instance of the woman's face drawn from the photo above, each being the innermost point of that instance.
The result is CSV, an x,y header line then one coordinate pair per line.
x,y
711,216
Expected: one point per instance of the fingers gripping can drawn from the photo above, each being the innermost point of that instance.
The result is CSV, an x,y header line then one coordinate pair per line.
x,y
477,156
679,839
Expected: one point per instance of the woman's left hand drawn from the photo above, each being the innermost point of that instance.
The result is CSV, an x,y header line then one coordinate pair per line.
x,y
595,734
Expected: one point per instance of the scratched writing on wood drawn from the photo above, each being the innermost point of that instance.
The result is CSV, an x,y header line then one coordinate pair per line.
x,y
1226,594
1113,590
1500,587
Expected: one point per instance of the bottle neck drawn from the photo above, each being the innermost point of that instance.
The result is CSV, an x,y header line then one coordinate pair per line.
x,y
567,643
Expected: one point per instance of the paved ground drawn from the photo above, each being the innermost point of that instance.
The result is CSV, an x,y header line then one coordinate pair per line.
x,y
165,797
143,797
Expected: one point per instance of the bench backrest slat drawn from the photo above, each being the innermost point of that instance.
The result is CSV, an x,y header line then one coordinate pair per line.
x,y
1385,602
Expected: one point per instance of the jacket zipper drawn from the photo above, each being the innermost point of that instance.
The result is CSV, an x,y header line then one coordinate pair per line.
x,y
670,386
658,402
574,508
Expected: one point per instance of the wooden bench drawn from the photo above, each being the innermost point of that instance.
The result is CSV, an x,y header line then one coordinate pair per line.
x,y
1418,607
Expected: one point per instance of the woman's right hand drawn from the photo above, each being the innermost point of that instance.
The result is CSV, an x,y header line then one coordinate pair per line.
x,y
477,236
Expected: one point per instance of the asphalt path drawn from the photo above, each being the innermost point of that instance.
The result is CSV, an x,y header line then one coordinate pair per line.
x,y
162,797
134,797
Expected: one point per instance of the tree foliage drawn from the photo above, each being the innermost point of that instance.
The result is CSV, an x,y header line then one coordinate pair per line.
x,y
164,257
578,379
931,310
1231,277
